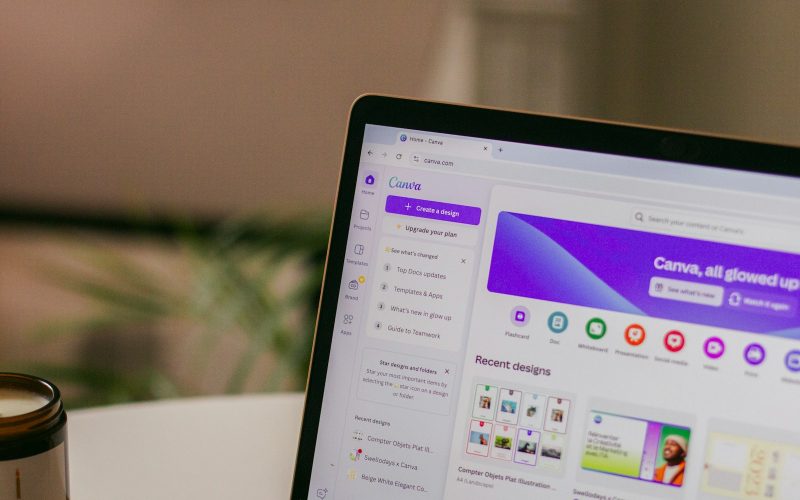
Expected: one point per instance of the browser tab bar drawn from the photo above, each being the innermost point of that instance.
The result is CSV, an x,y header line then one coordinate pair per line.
x,y
445,144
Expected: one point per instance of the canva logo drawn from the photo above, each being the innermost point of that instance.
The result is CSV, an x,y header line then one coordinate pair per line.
x,y
396,183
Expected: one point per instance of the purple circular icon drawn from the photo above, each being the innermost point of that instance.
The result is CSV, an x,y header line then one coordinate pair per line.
x,y
520,316
714,347
369,180
792,360
755,354
403,137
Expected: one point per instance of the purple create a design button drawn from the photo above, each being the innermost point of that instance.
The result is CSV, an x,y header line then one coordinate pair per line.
x,y
427,209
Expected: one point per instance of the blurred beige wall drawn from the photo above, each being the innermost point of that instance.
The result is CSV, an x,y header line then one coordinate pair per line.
x,y
202,107
209,107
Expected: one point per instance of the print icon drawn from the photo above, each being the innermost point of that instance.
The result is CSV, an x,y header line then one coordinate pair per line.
x,y
557,322
714,347
596,328
634,334
520,316
792,360
674,341
755,354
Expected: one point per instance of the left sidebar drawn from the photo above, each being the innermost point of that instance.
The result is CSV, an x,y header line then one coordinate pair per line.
x,y
349,312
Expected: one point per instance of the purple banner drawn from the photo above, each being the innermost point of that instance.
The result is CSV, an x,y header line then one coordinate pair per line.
x,y
438,210
646,274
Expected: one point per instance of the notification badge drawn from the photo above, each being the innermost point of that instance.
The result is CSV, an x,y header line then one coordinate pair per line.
x,y
634,334
674,341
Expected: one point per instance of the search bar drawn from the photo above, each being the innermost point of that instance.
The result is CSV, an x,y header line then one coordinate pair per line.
x,y
696,224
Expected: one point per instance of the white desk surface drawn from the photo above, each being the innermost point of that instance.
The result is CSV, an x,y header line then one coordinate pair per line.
x,y
231,447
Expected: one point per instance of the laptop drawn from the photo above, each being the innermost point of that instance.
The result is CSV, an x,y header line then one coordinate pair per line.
x,y
527,306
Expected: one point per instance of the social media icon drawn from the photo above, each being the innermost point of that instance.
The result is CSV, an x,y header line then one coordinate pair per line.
x,y
792,360
596,328
714,347
520,316
635,334
674,341
557,322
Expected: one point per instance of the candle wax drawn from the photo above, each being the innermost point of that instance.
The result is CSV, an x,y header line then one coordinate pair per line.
x,y
15,402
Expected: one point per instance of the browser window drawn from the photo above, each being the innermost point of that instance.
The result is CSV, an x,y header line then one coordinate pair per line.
x,y
517,320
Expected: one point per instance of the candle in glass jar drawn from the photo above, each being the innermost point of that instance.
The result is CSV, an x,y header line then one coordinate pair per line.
x,y
14,402
33,439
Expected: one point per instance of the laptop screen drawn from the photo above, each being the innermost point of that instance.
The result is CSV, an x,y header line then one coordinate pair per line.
x,y
517,320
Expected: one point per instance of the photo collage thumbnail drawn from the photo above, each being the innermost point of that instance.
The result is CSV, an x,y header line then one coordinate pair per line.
x,y
523,427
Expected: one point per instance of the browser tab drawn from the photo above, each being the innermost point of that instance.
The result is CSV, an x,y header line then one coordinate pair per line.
x,y
445,144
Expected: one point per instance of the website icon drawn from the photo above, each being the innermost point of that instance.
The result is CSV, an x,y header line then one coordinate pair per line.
x,y
792,361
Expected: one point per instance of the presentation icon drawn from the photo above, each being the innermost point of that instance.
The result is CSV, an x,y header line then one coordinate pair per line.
x,y
557,322
635,334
